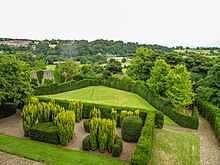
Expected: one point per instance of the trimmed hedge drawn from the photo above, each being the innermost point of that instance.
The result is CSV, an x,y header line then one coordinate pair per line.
x,y
211,113
86,144
86,125
131,128
64,87
46,132
117,147
143,149
7,109
106,110
138,87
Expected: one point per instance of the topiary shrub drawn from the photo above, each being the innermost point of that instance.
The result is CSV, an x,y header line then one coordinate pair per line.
x,y
86,125
47,132
117,147
40,75
86,144
131,128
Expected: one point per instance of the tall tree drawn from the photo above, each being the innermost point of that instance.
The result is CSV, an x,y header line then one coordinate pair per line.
x,y
157,81
14,79
114,66
68,68
179,86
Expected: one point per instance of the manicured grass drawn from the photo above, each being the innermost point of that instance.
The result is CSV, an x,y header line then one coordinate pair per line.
x,y
51,154
196,51
52,67
104,95
171,147
168,121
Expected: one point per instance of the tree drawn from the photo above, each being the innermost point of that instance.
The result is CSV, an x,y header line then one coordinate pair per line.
x,y
179,86
157,81
68,68
114,66
14,79
141,64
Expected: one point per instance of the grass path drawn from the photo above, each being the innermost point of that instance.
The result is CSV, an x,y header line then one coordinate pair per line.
x,y
104,95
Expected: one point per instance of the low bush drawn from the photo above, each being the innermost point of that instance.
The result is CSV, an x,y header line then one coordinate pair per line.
x,y
47,132
211,113
131,128
86,144
86,125
117,147
144,146
7,109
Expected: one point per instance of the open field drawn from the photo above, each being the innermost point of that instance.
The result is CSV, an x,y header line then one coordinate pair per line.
x,y
171,147
197,51
51,154
104,95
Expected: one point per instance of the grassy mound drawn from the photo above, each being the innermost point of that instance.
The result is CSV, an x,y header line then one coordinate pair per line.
x,y
104,95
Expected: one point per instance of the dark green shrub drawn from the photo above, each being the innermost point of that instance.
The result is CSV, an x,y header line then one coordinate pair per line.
x,y
86,125
40,75
7,109
143,148
117,147
58,77
47,132
86,144
131,128
34,82
48,81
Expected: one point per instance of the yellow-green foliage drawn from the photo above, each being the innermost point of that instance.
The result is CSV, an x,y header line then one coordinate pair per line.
x,y
29,116
33,100
77,107
102,134
114,115
66,124
95,113
123,114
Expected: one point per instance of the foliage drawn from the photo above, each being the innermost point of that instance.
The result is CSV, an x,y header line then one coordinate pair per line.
x,y
114,115
14,79
47,132
86,125
68,68
124,113
40,75
76,107
7,109
114,66
157,81
131,128
95,113
143,149
47,81
179,86
211,113
102,134
86,144
117,147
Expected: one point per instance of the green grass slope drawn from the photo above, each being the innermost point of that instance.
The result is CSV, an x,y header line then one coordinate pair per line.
x,y
51,154
104,95
171,147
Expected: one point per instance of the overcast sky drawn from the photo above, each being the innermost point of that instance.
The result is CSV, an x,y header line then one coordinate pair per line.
x,y
165,22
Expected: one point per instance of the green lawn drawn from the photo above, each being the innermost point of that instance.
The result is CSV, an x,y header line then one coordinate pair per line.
x,y
51,67
104,95
51,154
171,147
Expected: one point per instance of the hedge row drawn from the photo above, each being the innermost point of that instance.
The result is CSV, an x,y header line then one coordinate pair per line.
x,y
7,110
138,87
64,87
211,113
143,149
47,132
106,110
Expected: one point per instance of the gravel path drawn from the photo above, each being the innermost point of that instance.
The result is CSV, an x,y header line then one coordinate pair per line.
x,y
209,145
9,159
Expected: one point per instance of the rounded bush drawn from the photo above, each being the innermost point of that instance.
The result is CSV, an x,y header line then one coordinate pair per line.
x,y
86,125
117,147
131,128
86,143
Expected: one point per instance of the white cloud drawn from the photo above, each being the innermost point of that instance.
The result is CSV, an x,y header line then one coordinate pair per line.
x,y
170,22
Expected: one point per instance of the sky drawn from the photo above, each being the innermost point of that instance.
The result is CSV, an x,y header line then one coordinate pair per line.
x,y
163,22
